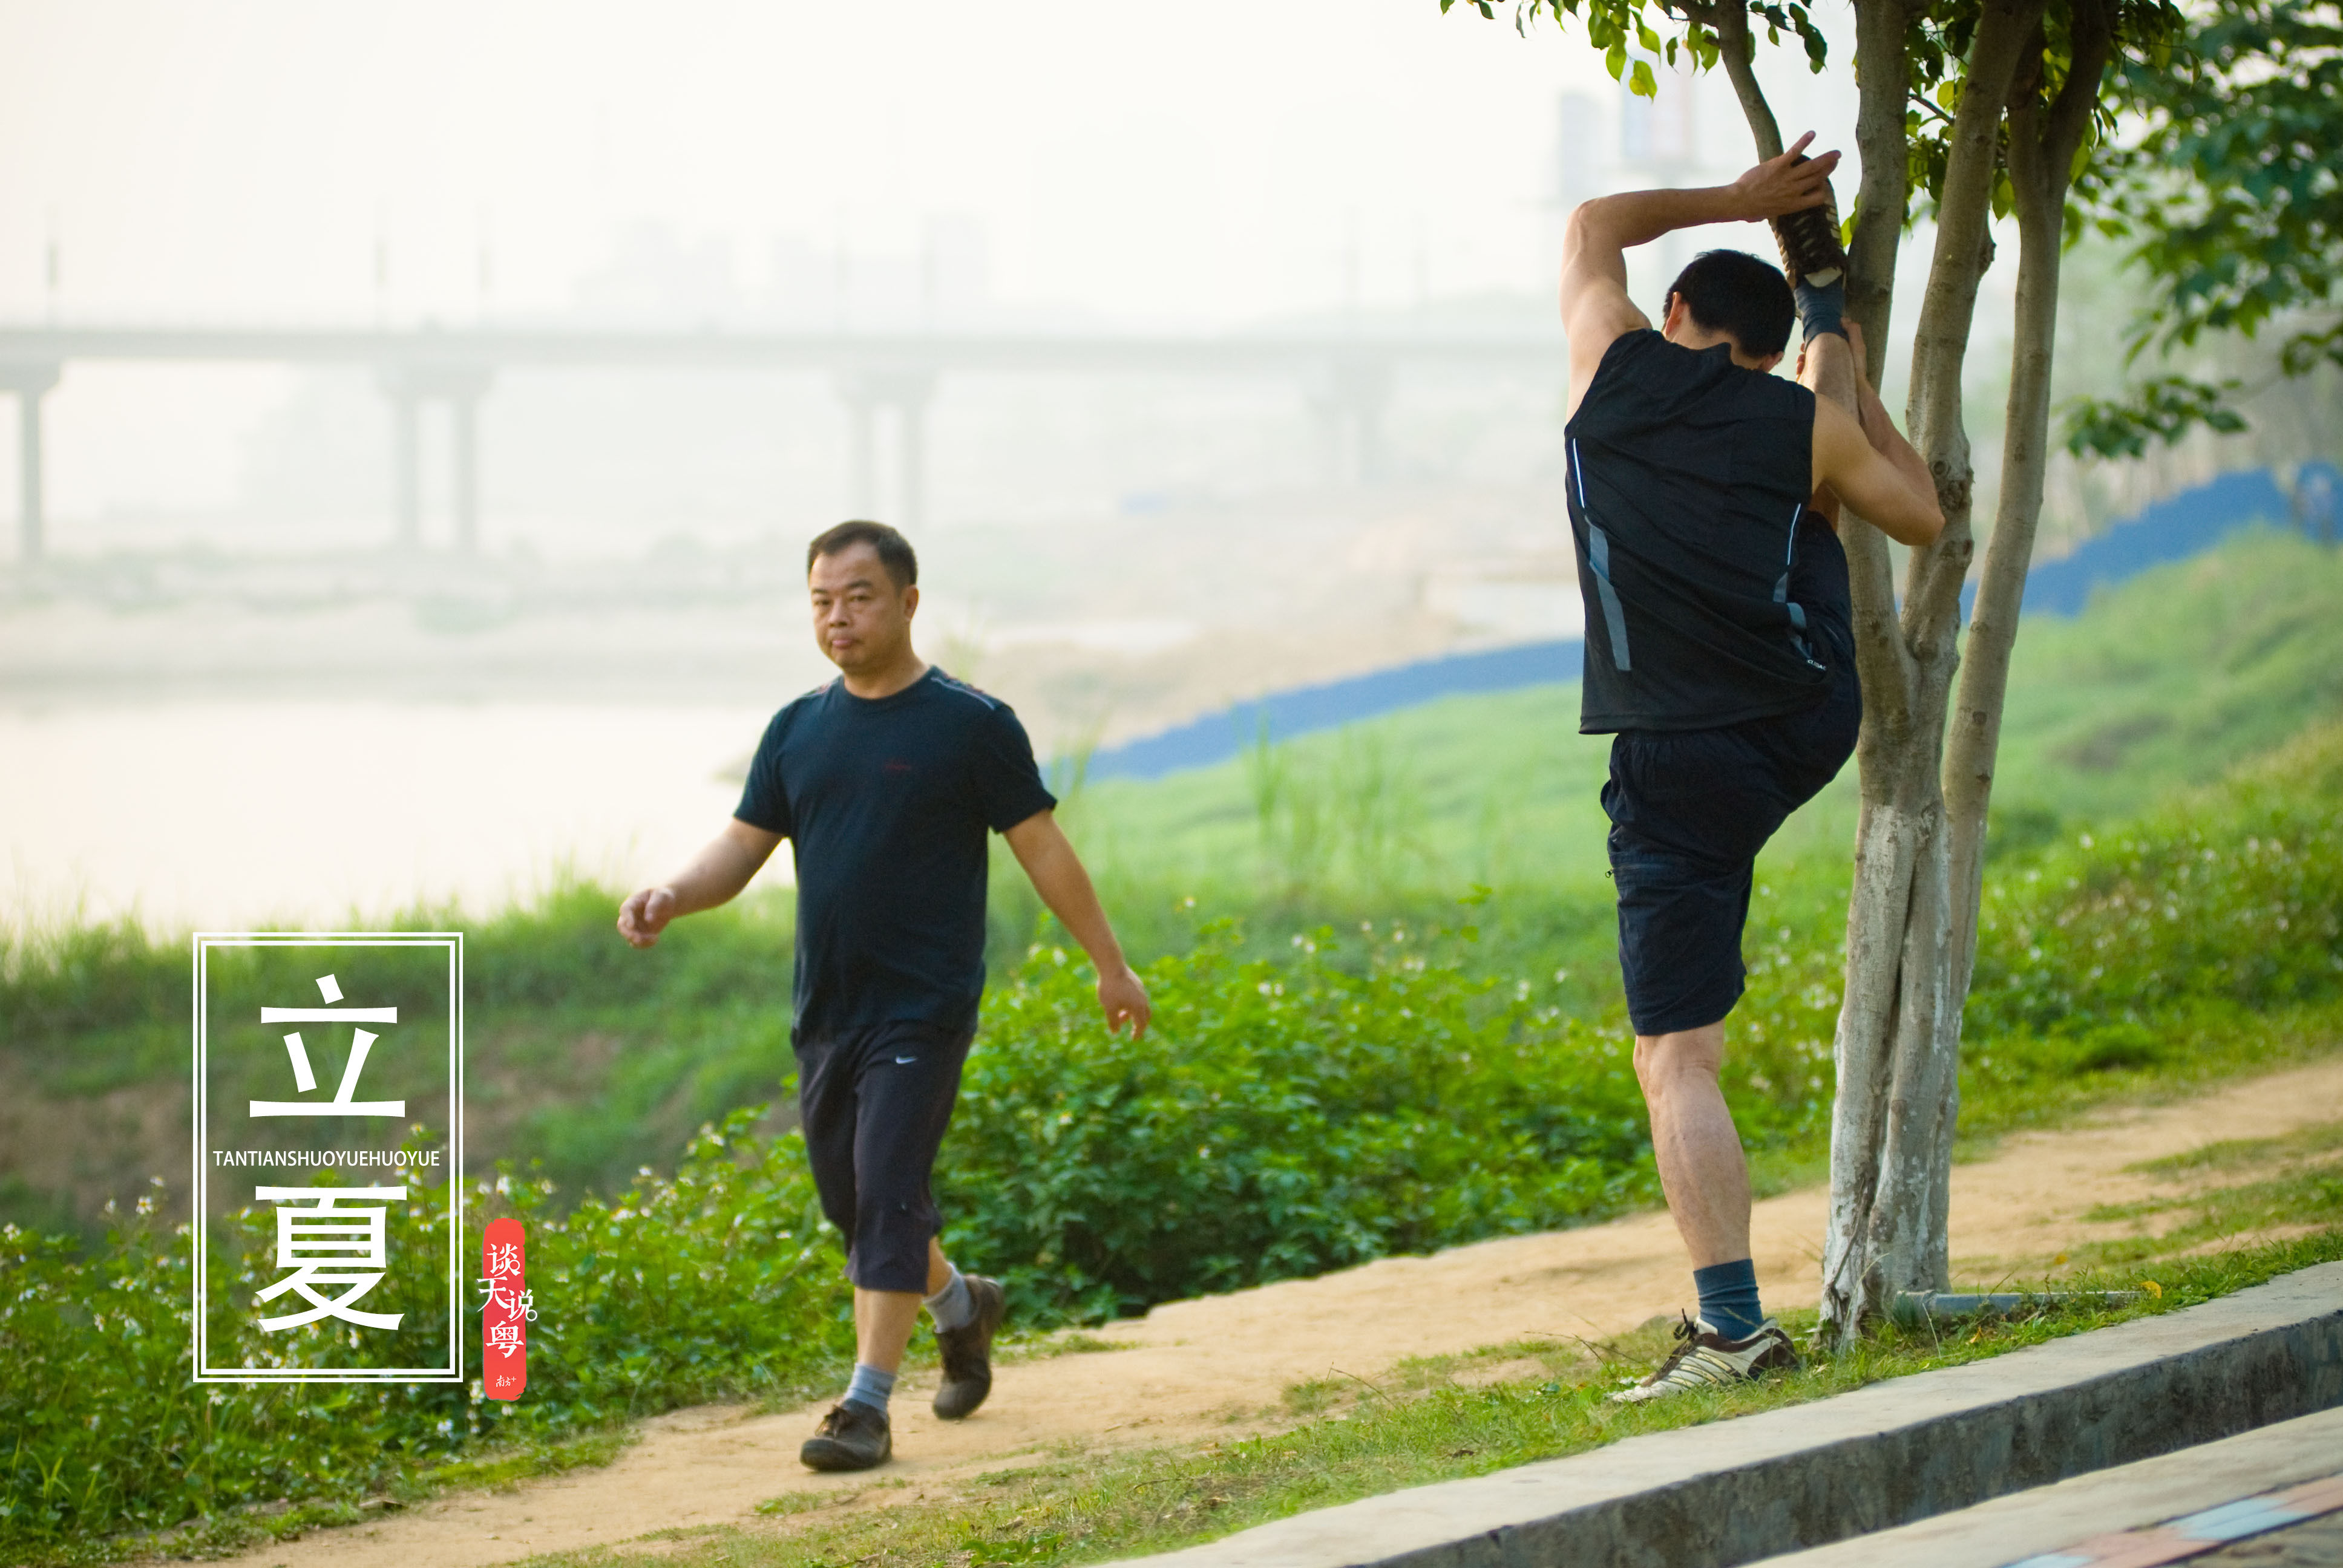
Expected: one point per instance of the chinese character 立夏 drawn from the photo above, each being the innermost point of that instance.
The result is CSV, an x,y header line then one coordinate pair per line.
x,y
325,1246
344,1101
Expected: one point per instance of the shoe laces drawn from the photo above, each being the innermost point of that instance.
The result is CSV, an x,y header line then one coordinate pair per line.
x,y
1687,1337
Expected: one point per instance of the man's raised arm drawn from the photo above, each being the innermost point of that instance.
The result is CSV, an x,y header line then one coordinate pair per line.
x,y
1595,309
1861,456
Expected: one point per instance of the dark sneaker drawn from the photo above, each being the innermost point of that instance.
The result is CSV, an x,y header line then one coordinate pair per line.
x,y
850,1437
1811,251
1702,1358
968,1352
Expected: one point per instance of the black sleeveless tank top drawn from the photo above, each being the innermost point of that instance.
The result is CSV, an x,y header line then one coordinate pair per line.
x,y
1713,596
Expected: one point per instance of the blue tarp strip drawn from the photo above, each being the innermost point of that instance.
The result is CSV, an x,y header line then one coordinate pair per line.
x,y
2173,529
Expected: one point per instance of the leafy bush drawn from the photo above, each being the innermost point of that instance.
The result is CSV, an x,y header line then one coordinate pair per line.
x,y
684,1289
2234,895
1367,1096
1386,1094
1383,1091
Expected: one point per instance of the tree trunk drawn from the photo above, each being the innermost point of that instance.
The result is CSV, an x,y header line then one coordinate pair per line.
x,y
2042,147
1898,1033
1910,939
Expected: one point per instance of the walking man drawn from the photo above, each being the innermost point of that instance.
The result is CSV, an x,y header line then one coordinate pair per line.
x,y
885,781
1704,497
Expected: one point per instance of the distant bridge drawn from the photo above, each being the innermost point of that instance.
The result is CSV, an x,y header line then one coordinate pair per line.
x,y
1345,376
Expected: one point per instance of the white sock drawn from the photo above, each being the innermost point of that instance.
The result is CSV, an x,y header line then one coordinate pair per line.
x,y
952,1307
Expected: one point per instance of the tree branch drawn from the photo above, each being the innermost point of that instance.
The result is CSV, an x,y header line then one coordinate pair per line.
x,y
1882,63
2042,147
2091,48
1730,22
1940,346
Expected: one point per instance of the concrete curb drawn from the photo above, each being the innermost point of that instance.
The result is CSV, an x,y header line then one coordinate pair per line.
x,y
2044,1518
1733,1491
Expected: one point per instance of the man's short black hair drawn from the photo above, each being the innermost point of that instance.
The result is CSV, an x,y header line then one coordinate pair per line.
x,y
894,549
1733,292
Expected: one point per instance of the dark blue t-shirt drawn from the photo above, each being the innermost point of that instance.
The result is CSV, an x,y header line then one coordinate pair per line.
x,y
885,803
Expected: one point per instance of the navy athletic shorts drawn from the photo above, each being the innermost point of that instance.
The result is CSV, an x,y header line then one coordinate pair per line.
x,y
874,1103
1689,810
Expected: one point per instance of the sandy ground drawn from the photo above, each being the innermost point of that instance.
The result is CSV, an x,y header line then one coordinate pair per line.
x,y
1219,1366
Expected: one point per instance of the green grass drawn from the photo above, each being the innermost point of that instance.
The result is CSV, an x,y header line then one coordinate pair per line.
x,y
580,1054
2246,1153
1418,1425
2297,1183
714,1284
597,1062
1423,1070
2165,680
249,1525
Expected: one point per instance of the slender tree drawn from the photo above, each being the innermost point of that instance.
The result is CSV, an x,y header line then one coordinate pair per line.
x,y
1980,107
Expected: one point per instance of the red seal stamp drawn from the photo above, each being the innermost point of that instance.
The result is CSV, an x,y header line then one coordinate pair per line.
x,y
504,1315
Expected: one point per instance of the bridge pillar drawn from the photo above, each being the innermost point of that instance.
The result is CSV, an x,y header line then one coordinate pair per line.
x,y
905,392
460,386
406,467
911,458
30,382
465,413
862,453
1347,399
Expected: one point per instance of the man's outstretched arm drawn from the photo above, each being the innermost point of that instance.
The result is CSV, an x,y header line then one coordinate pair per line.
x,y
1595,309
1057,874
715,876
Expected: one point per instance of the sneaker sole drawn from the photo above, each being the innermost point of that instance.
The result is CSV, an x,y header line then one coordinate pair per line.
x,y
821,1454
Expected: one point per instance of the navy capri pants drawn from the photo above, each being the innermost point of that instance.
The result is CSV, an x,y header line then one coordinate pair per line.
x,y
1689,810
874,1103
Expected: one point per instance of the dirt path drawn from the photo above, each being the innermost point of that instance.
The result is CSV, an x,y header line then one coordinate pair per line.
x,y
1219,1366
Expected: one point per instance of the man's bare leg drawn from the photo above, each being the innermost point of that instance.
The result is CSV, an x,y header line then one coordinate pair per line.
x,y
883,1320
1826,369
1703,1170
855,1435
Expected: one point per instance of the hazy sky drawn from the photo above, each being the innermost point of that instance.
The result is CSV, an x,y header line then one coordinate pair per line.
x,y
1203,162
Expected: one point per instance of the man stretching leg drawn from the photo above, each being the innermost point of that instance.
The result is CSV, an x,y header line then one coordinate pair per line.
x,y
1703,495
884,781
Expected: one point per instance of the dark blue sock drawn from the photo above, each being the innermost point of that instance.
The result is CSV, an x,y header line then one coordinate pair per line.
x,y
1728,1297
1819,308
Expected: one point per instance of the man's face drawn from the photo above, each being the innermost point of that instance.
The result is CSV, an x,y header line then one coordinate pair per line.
x,y
861,620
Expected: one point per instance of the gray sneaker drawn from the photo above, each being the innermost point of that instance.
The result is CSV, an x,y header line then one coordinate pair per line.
x,y
850,1437
968,1350
1702,1358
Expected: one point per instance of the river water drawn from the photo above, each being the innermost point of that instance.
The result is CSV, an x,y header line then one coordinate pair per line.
x,y
221,816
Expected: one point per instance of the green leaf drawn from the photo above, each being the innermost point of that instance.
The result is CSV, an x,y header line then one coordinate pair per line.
x,y
2158,411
